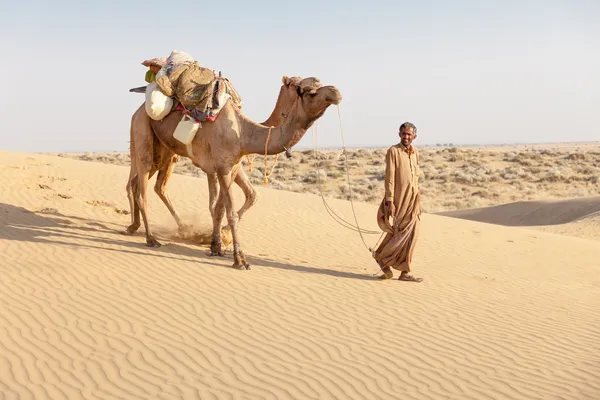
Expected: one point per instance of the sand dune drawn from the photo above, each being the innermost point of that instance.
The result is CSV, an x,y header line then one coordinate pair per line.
x,y
533,213
573,217
86,312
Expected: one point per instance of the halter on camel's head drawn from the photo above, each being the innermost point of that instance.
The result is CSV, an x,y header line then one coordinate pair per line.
x,y
300,86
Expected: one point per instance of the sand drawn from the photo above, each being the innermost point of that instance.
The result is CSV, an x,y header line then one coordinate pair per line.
x,y
504,312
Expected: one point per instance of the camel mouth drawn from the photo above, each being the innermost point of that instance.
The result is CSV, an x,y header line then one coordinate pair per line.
x,y
334,97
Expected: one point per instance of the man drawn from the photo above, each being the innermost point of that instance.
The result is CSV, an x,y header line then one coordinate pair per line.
x,y
402,204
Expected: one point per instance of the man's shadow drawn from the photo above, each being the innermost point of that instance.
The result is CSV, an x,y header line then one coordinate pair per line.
x,y
51,227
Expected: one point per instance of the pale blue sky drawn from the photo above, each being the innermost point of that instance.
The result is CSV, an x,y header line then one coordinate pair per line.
x,y
475,72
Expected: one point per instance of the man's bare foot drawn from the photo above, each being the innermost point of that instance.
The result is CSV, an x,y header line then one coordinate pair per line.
x,y
387,273
407,277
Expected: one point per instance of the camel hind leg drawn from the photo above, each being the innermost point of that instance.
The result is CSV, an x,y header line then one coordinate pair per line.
x,y
161,190
132,193
131,187
143,152
142,201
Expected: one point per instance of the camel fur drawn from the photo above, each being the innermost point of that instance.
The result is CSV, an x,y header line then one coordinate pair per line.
x,y
163,162
219,150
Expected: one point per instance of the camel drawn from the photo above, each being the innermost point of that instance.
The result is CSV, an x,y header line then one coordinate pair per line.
x,y
219,148
163,162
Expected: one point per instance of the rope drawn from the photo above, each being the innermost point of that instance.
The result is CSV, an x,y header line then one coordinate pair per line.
x,y
330,211
266,180
251,160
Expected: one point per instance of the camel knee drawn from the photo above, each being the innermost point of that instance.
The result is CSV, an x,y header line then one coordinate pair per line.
x,y
131,188
253,197
232,218
217,208
159,189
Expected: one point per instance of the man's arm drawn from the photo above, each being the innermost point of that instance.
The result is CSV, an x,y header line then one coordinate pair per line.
x,y
390,174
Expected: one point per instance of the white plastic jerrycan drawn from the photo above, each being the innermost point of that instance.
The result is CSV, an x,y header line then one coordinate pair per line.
x,y
186,130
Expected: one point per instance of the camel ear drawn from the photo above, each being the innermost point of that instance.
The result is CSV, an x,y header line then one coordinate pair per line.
x,y
285,80
294,81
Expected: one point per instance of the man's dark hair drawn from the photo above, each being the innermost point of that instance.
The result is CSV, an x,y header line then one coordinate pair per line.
x,y
407,125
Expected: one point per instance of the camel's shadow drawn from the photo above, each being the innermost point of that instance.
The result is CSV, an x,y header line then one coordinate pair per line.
x,y
51,227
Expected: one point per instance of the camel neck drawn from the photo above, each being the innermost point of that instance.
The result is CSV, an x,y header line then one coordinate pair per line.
x,y
276,117
256,136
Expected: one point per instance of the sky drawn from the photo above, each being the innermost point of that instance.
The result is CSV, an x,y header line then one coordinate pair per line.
x,y
464,72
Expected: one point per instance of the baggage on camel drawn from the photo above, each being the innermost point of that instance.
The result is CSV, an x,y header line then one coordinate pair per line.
x,y
157,104
182,84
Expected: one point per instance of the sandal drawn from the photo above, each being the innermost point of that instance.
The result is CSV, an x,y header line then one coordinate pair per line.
x,y
409,278
387,274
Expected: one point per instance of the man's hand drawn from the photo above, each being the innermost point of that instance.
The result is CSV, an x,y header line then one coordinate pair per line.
x,y
390,209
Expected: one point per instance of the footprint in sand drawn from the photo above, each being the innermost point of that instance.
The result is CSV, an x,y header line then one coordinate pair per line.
x,y
101,203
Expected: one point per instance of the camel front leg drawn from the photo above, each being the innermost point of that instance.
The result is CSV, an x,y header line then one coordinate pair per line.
x,y
213,193
225,180
251,195
216,245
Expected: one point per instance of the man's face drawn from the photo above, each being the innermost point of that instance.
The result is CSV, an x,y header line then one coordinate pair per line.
x,y
407,135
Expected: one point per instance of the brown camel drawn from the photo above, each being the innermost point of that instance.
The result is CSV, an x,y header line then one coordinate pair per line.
x,y
163,162
219,148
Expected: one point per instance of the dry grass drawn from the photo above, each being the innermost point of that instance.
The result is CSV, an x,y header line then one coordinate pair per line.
x,y
452,178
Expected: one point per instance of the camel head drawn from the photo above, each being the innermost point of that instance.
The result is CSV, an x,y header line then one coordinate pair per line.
x,y
288,93
315,98
290,89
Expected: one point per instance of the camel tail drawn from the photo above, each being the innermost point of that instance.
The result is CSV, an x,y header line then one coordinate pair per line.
x,y
131,144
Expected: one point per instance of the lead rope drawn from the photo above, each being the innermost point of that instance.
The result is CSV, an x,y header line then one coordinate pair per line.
x,y
332,213
250,160
266,177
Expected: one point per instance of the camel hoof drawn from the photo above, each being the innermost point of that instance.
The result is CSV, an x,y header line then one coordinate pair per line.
x,y
184,230
131,229
239,262
216,248
151,242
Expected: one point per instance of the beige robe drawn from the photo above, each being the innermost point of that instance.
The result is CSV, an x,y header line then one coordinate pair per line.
x,y
402,188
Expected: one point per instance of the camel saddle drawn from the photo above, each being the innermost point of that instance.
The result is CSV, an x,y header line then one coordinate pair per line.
x,y
191,84
222,91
